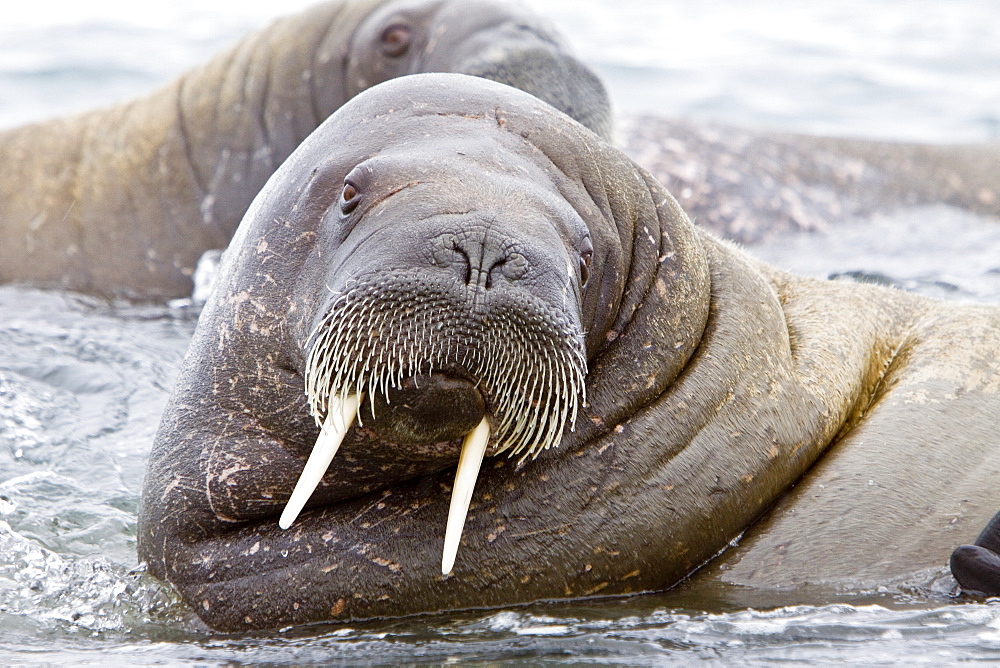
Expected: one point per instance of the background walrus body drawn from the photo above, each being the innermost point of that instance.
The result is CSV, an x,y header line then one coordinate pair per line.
x,y
752,186
714,383
123,201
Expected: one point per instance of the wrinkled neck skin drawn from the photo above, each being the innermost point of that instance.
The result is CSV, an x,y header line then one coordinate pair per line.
x,y
685,440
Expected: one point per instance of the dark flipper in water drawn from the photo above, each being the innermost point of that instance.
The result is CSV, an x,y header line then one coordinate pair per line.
x,y
977,567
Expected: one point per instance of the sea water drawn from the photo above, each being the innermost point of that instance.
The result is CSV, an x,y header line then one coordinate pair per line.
x,y
82,382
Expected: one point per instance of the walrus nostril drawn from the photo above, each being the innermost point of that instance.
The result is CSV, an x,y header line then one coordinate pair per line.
x,y
466,263
478,260
427,409
489,275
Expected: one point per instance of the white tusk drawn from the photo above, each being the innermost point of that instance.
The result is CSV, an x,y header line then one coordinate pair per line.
x,y
338,420
473,449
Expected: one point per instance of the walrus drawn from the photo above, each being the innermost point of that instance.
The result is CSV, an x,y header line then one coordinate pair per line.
x,y
122,202
452,272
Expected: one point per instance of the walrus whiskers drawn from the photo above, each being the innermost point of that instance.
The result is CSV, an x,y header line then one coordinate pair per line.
x,y
531,368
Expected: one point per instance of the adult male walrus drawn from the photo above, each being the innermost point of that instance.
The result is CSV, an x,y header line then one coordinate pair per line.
x,y
122,202
466,268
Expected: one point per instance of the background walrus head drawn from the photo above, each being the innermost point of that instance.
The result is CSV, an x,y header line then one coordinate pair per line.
x,y
502,42
434,241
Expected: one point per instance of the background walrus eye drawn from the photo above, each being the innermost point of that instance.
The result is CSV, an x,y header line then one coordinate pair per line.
x,y
585,258
349,198
395,40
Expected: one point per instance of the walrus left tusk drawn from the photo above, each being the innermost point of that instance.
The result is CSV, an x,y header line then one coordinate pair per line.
x,y
473,449
338,421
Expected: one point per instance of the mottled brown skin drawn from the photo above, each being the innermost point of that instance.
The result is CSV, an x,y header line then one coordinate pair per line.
x,y
751,186
121,202
721,392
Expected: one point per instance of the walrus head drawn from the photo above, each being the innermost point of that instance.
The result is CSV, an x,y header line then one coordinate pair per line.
x,y
457,295
502,42
449,303
447,269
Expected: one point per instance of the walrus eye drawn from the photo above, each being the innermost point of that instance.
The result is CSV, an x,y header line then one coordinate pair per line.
x,y
395,40
349,198
585,258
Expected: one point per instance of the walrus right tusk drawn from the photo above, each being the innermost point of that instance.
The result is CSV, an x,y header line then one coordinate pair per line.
x,y
338,420
473,449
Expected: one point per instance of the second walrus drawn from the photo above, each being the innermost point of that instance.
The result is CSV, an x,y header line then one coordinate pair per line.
x,y
122,202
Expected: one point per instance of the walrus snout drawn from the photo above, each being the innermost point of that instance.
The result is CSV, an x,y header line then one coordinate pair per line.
x,y
479,260
425,409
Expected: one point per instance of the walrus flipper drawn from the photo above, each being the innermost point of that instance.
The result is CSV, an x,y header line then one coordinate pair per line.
x,y
977,567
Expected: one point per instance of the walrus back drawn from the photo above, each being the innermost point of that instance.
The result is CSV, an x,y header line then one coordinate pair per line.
x,y
123,201
911,471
